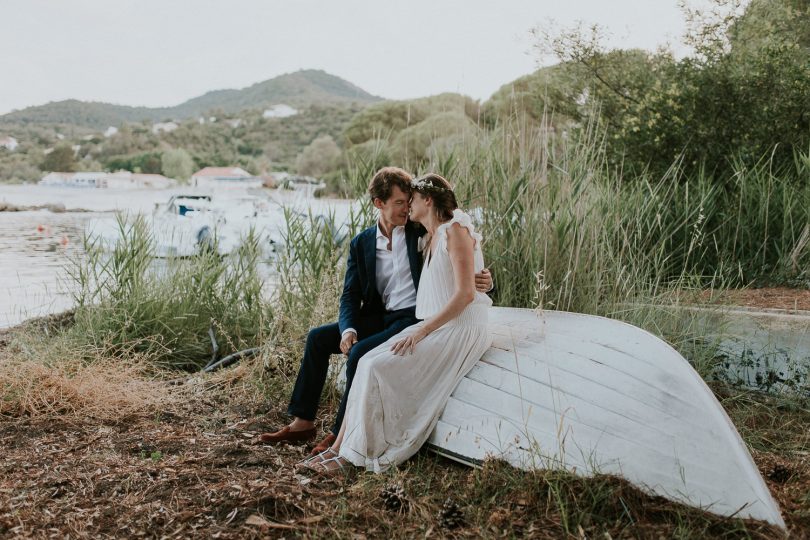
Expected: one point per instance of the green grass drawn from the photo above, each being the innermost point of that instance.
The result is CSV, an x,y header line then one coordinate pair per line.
x,y
128,304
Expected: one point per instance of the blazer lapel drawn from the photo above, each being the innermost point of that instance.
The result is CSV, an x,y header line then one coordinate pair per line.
x,y
370,256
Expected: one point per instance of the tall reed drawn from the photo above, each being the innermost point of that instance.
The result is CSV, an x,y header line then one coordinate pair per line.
x,y
129,302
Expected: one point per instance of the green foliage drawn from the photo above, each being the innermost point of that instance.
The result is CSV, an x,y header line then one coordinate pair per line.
x,y
147,163
177,164
712,109
321,156
17,167
61,159
411,145
257,144
259,141
536,96
386,120
565,229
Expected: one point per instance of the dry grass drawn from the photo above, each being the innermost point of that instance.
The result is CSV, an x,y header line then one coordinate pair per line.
x,y
191,471
109,449
43,376
103,390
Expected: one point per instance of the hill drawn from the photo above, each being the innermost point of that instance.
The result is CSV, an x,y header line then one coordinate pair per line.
x,y
299,89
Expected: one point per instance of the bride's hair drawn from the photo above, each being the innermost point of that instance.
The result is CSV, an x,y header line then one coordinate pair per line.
x,y
439,191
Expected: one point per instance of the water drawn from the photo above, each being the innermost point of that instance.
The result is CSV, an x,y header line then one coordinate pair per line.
x,y
36,246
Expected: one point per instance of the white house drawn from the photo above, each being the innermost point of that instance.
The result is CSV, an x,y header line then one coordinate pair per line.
x,y
224,177
9,143
110,131
279,111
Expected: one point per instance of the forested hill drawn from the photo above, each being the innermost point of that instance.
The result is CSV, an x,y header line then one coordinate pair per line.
x,y
299,89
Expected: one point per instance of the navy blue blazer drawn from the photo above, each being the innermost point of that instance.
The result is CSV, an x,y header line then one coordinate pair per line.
x,y
360,297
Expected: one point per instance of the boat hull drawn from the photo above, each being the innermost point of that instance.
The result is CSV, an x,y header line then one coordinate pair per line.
x,y
598,396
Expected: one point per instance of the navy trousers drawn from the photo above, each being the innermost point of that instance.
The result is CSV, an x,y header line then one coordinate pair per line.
x,y
324,341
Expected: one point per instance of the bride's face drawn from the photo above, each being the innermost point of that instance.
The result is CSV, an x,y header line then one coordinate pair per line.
x,y
420,207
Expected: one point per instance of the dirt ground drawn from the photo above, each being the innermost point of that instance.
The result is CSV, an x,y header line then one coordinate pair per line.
x,y
768,298
195,473
191,470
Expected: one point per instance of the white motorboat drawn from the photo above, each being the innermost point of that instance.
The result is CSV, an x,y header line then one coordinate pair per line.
x,y
188,223
598,396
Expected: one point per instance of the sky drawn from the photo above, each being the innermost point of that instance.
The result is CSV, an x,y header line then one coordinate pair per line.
x,y
162,52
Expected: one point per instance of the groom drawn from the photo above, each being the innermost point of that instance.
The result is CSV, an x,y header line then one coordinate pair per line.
x,y
378,302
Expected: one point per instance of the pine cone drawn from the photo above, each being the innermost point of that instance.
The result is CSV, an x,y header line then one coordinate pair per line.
x,y
450,515
780,474
394,497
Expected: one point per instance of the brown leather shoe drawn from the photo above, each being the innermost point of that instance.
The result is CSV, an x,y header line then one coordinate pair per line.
x,y
285,435
323,445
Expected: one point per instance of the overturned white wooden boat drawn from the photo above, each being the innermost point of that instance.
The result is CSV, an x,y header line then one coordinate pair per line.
x,y
598,396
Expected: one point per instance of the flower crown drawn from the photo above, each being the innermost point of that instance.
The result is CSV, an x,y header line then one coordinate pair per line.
x,y
423,184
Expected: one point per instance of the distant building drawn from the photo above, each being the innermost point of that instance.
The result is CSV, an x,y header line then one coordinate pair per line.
x,y
165,127
9,143
83,179
217,177
279,111
116,180
110,131
129,180
234,122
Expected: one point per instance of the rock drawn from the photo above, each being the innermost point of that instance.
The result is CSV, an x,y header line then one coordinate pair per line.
x,y
56,208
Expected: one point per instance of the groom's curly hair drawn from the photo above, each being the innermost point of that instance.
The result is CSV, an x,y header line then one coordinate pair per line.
x,y
385,179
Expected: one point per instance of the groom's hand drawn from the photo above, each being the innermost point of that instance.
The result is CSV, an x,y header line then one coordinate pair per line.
x,y
483,281
346,343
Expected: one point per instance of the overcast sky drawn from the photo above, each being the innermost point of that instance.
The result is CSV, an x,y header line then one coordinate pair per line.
x,y
163,52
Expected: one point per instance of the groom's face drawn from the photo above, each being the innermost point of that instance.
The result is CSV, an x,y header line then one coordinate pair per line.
x,y
394,211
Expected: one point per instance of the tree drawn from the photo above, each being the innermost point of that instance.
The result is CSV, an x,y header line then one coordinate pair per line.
x,y
321,156
177,163
62,159
410,147
745,93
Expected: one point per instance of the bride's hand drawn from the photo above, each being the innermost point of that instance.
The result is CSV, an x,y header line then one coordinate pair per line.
x,y
407,344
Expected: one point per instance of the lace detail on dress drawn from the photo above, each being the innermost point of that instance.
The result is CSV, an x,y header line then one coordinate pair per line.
x,y
465,221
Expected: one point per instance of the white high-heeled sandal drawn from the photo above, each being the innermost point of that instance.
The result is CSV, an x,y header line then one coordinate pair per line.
x,y
311,462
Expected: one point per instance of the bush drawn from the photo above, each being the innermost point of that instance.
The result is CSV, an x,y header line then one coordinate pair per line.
x,y
320,157
177,164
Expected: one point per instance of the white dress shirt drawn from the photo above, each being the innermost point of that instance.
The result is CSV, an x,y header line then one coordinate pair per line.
x,y
393,272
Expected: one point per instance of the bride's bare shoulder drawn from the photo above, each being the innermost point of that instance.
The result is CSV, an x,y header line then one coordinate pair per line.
x,y
458,235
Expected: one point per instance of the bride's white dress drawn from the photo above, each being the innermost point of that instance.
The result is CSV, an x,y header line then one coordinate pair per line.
x,y
395,401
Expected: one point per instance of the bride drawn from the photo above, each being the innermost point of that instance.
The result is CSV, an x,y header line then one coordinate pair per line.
x,y
401,387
